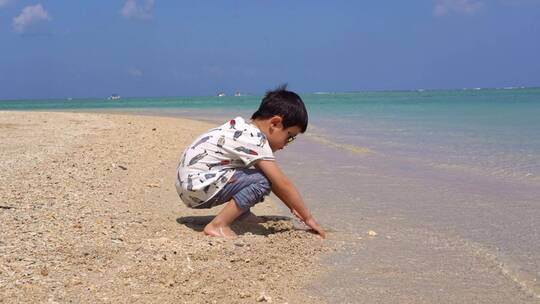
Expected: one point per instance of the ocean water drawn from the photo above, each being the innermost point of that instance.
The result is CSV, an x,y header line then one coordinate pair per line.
x,y
491,131
449,180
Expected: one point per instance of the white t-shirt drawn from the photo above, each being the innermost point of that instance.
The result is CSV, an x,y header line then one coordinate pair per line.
x,y
211,160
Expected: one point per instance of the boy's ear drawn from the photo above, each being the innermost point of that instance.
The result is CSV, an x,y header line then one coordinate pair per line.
x,y
275,120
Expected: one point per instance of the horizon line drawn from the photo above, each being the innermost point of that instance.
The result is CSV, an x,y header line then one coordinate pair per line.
x,y
419,90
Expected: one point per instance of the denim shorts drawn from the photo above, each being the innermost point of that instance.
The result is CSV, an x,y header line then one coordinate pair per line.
x,y
247,187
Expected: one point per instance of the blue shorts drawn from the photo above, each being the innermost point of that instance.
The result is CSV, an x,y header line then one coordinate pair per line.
x,y
247,187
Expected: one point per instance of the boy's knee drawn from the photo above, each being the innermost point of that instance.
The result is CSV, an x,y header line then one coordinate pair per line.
x,y
254,193
264,184
264,189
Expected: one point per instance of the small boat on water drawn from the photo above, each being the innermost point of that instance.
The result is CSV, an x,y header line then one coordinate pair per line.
x,y
221,94
113,97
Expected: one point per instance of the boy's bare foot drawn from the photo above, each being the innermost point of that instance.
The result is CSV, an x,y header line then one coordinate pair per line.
x,y
250,217
219,231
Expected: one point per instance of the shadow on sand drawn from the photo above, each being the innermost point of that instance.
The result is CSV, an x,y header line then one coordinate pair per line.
x,y
270,225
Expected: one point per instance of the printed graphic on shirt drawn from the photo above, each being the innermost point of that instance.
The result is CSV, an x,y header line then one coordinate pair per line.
x,y
246,150
211,160
201,141
197,157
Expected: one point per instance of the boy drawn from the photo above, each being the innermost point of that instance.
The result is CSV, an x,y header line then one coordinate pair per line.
x,y
217,168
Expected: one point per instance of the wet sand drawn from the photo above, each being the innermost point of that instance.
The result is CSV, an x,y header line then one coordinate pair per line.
x,y
89,213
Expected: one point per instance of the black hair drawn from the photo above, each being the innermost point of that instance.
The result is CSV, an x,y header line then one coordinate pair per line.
x,y
286,104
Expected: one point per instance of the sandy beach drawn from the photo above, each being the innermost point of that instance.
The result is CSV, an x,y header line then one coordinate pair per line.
x,y
89,213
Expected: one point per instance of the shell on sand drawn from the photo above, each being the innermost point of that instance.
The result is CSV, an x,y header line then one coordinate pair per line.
x,y
372,233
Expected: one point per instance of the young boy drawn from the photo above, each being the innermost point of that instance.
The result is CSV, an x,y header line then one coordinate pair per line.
x,y
234,164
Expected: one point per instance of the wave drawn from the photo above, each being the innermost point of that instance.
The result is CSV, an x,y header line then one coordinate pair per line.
x,y
503,172
526,281
319,138
508,267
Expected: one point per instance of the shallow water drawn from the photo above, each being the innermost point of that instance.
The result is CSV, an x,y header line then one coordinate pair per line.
x,y
443,236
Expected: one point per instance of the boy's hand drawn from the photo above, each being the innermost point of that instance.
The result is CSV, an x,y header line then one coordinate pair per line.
x,y
315,226
287,192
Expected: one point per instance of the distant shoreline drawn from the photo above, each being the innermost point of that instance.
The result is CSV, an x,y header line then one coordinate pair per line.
x,y
258,95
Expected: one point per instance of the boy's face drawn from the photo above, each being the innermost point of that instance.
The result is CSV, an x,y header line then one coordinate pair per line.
x,y
279,136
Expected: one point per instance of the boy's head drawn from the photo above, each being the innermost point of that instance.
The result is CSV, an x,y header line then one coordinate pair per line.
x,y
284,114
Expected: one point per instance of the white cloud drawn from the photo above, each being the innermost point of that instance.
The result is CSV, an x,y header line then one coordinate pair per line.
x,y
135,72
445,7
132,9
30,15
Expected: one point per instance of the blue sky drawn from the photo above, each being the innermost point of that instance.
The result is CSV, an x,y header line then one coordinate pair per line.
x,y
58,49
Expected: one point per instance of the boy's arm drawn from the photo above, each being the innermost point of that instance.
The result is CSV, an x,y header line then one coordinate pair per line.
x,y
286,191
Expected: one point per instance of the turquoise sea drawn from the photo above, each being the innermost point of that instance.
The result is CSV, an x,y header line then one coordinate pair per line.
x,y
449,180
495,130
490,131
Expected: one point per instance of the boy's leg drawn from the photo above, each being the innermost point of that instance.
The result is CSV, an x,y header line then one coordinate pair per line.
x,y
249,217
220,225
248,187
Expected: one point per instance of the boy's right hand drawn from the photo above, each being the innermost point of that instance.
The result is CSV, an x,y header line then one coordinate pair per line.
x,y
315,226
312,223
287,192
